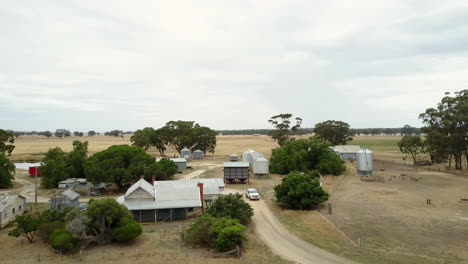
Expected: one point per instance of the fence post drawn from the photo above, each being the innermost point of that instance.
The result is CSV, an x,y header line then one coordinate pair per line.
x,y
359,241
237,252
329,208
81,255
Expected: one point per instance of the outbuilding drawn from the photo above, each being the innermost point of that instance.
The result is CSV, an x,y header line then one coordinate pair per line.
x,y
67,198
75,183
233,157
180,162
197,154
236,171
261,166
186,154
10,207
346,152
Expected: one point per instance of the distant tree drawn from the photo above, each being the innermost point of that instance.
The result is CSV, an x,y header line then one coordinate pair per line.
x,y
231,206
26,225
7,171
180,134
62,133
305,155
142,138
301,191
55,168
91,133
335,132
205,139
283,127
115,133
375,131
18,134
412,145
6,142
47,134
120,164
76,133
186,134
409,130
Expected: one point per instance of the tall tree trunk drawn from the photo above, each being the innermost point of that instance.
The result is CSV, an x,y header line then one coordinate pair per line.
x,y
458,159
450,162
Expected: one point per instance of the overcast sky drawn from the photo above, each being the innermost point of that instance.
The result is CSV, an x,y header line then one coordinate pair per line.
x,y
106,65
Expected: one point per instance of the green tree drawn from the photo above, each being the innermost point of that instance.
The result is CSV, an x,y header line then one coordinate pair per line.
x,y
120,164
412,145
47,134
301,191
231,206
26,225
228,233
91,133
127,232
6,142
305,155
54,168
76,159
7,171
180,134
283,129
165,169
61,239
205,139
200,232
335,132
142,138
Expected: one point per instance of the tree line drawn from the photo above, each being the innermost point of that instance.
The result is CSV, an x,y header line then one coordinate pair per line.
x,y
176,134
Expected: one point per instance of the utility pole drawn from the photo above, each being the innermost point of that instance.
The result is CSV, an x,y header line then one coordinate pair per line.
x,y
35,193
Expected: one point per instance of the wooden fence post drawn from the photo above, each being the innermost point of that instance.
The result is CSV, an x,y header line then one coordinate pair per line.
x,y
329,208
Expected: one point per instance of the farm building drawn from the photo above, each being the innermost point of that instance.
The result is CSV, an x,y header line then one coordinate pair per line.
x,y
10,207
236,171
261,166
247,156
180,162
197,154
233,157
34,171
75,183
67,198
185,153
347,152
163,202
212,187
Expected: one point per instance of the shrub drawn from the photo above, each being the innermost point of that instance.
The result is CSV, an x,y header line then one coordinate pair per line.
x,y
127,232
45,229
301,191
63,240
228,233
330,163
231,206
200,231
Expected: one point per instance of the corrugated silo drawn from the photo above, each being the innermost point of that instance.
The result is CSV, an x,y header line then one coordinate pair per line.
x,y
364,159
197,154
185,153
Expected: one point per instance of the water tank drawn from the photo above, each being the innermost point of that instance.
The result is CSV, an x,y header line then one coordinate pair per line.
x,y
233,157
364,164
260,166
185,152
197,154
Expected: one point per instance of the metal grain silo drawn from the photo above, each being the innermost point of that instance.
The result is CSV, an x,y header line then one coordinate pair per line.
x,y
260,166
233,157
247,156
364,159
197,154
185,153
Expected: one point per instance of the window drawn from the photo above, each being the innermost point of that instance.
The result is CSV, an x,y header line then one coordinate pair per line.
x,y
19,208
190,209
13,211
6,215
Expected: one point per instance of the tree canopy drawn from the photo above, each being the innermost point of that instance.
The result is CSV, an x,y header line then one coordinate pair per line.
x,y
6,142
26,225
7,171
301,191
283,127
412,145
231,206
335,132
305,155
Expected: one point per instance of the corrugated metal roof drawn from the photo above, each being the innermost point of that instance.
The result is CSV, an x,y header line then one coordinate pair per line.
x,y
5,200
144,185
210,185
70,194
347,148
235,164
179,160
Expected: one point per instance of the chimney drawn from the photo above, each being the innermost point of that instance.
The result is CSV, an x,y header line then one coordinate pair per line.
x,y
200,186
153,179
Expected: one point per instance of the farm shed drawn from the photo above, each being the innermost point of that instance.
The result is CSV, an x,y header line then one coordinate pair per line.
x,y
197,154
180,162
185,153
75,183
163,202
364,165
67,198
236,171
10,207
261,166
233,157
347,152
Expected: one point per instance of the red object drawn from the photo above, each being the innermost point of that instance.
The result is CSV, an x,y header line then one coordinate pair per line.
x,y
200,186
33,171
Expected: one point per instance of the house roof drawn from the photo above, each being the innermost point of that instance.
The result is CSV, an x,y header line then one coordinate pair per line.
x,y
141,184
6,200
346,148
210,185
235,164
70,194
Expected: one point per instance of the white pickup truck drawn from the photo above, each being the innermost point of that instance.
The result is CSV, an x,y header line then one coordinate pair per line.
x,y
252,194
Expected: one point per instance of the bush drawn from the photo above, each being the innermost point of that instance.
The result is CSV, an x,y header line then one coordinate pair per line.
x,y
45,229
200,231
231,206
127,232
301,191
63,240
305,155
228,233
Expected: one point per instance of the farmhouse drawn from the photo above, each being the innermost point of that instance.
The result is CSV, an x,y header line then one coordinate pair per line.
x,y
163,202
10,207
346,152
67,198
236,171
